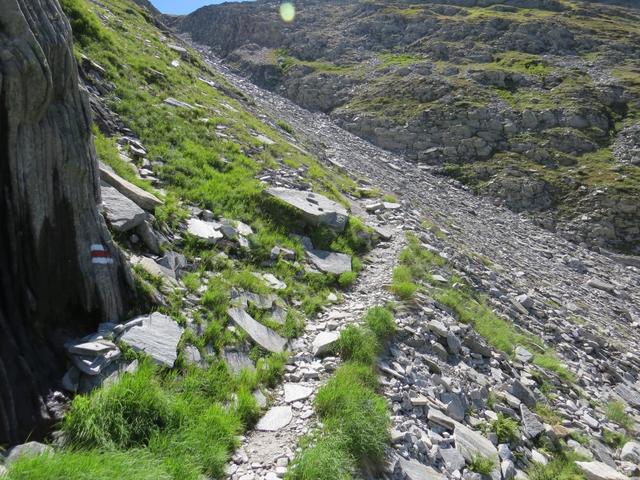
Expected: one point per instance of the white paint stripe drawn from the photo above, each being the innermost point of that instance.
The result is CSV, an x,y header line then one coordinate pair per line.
x,y
102,260
96,247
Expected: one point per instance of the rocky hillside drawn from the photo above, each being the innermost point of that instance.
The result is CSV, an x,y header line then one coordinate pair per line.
x,y
535,103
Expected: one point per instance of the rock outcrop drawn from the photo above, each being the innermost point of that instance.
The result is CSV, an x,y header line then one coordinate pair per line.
x,y
59,268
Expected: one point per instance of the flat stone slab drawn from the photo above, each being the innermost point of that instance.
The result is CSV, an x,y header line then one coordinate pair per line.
x,y
275,419
439,418
94,365
140,197
294,392
329,262
315,208
91,349
177,103
471,444
157,335
237,361
154,268
206,231
263,336
629,394
122,213
414,470
600,471
324,342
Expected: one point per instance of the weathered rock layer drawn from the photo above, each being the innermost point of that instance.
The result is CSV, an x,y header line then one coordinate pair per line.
x,y
54,276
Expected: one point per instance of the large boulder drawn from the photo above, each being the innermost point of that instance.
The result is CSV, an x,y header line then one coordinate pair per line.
x,y
58,265
315,208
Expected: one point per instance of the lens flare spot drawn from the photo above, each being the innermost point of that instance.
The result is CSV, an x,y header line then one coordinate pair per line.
x,y
287,12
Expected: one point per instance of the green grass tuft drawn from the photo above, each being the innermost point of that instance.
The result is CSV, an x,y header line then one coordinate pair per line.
x,y
358,344
482,465
327,459
506,429
381,322
616,412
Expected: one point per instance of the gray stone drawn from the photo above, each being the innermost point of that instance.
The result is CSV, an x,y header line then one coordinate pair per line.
x,y
140,197
29,449
324,342
629,394
532,427
631,452
294,392
177,103
508,469
273,281
123,215
94,365
173,261
316,209
237,360
538,457
263,336
455,407
453,343
523,394
3,470
523,355
329,262
601,285
151,266
452,459
275,419
192,355
599,471
157,335
149,237
91,349
414,470
206,231
471,444
261,400
439,418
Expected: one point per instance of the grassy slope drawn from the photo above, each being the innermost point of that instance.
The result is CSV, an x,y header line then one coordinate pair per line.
x,y
181,424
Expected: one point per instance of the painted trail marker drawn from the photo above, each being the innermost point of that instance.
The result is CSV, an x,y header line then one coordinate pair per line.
x,y
100,255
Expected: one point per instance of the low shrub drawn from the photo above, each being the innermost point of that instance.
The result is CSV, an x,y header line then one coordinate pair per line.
x,y
616,412
402,283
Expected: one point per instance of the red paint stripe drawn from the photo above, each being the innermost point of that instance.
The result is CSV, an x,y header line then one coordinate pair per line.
x,y
100,254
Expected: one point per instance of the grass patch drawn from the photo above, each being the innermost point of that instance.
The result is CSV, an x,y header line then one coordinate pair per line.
x,y
358,344
614,439
129,465
381,322
326,459
402,284
561,467
506,429
616,412
482,465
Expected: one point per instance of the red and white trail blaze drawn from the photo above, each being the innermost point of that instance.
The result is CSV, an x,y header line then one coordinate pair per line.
x,y
100,255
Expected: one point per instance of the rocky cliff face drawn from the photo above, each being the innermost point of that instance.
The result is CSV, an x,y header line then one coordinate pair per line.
x,y
58,266
533,102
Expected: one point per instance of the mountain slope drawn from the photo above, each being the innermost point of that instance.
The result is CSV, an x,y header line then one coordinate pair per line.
x,y
534,103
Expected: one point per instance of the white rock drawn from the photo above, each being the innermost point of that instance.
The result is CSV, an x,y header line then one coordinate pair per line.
x,y
207,231
599,471
275,419
324,342
294,392
157,335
